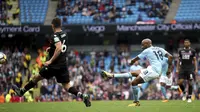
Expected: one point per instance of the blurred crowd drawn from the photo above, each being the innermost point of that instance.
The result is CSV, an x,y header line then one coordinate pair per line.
x,y
106,10
157,9
5,6
84,69
15,71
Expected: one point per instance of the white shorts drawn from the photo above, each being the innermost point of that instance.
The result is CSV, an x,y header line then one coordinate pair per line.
x,y
148,74
166,80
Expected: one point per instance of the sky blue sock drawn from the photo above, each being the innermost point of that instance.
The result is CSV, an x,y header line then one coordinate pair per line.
x,y
128,74
136,93
174,87
145,86
163,90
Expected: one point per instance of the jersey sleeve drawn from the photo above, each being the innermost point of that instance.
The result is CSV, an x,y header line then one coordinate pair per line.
x,y
179,53
55,39
193,53
143,54
164,52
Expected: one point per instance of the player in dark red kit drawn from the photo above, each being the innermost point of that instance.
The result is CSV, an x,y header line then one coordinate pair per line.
x,y
186,68
56,66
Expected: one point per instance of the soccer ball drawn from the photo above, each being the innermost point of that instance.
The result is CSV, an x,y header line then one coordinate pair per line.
x,y
3,58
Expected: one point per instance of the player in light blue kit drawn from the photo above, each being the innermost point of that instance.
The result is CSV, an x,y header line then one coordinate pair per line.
x,y
155,57
136,89
165,80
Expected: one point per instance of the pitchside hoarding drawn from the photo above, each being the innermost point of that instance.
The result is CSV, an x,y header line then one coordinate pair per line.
x,y
101,28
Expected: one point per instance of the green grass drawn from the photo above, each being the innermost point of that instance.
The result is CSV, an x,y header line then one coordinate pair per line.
x,y
102,106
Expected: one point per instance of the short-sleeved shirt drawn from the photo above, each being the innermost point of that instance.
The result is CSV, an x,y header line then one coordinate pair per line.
x,y
155,56
61,59
186,59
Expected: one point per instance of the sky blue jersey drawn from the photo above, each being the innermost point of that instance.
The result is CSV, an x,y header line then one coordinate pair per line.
x,y
155,56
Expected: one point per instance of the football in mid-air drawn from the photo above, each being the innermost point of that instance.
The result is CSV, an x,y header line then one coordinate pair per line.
x,y
3,58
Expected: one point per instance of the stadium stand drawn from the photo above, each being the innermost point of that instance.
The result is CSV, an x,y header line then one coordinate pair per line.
x,y
188,11
33,11
112,11
5,5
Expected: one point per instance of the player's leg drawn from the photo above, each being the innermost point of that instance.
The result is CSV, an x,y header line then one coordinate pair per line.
x,y
190,87
63,77
145,86
125,75
136,95
164,92
182,88
20,91
144,75
45,72
181,85
77,93
163,80
136,90
72,90
137,80
107,75
170,82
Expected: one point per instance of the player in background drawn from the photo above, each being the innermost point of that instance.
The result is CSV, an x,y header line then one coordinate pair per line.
x,y
136,89
165,80
154,55
56,65
186,68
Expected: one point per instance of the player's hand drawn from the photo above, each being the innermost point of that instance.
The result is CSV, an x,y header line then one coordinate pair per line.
x,y
47,63
47,50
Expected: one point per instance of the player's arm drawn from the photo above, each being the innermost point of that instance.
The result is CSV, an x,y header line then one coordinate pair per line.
x,y
47,49
177,66
178,63
57,51
195,63
170,59
140,56
134,60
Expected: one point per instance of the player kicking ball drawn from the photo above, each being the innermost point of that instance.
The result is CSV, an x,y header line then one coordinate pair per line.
x,y
56,66
154,55
136,89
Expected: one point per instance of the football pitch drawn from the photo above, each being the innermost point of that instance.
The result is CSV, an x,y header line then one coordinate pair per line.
x,y
102,106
